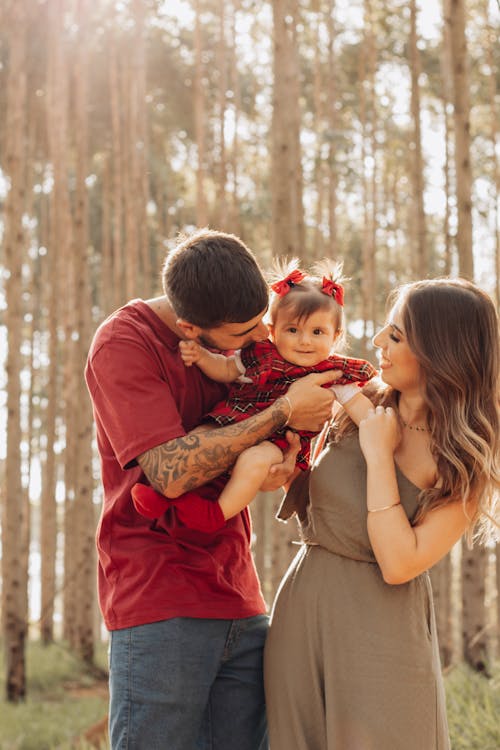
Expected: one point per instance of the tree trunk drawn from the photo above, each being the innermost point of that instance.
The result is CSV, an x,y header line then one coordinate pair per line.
x,y
117,144
58,253
332,128
491,43
447,89
368,117
141,147
199,114
420,261
14,516
474,642
320,167
235,150
460,61
84,511
287,230
221,65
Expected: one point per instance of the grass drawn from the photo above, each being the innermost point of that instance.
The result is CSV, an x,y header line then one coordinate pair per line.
x,y
473,709
64,700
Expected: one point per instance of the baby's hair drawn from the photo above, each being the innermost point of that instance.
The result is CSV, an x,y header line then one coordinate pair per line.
x,y
306,297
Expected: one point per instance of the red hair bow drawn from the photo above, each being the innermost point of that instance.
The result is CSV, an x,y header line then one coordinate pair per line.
x,y
333,290
283,287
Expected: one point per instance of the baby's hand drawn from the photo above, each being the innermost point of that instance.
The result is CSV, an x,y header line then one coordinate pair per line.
x,y
191,352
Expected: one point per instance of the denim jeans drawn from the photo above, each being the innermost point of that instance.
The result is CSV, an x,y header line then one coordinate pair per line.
x,y
188,684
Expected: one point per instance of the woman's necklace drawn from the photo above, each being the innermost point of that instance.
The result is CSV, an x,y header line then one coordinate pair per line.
x,y
414,426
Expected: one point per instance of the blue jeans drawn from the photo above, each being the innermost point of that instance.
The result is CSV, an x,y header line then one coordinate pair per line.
x,y
188,684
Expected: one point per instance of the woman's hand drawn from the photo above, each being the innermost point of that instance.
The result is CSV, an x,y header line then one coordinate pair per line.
x,y
379,432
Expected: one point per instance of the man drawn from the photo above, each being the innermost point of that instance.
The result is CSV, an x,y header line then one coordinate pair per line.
x,y
187,620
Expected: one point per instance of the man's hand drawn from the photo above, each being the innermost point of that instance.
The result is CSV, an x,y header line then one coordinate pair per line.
x,y
311,404
280,474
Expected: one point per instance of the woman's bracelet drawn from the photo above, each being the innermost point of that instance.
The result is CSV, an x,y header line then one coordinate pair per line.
x,y
289,409
384,507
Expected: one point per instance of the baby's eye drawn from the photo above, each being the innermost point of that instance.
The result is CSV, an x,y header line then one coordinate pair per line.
x,y
317,331
292,329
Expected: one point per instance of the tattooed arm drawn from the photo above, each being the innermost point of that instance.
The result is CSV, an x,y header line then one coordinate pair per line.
x,y
187,462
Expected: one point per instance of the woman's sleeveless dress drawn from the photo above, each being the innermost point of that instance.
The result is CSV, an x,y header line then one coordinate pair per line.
x,y
351,662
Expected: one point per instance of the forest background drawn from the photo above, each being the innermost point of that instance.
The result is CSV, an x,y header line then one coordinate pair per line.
x,y
363,130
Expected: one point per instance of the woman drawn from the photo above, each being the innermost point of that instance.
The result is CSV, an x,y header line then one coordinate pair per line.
x,y
352,659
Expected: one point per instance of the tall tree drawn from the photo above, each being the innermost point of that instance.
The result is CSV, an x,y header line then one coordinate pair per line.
x,y
419,221
368,123
474,642
59,308
221,213
456,19
200,117
117,146
14,516
84,509
447,95
286,166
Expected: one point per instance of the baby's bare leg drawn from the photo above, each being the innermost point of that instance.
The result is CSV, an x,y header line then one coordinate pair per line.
x,y
249,472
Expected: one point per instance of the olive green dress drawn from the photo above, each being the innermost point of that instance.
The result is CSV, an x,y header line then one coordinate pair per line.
x,y
351,662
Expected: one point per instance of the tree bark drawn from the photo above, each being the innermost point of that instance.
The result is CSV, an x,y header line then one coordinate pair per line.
x,y
287,230
463,170
199,114
474,642
420,262
368,121
14,516
60,311
84,511
447,93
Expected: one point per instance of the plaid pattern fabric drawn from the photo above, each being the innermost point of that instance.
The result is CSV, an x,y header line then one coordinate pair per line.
x,y
271,376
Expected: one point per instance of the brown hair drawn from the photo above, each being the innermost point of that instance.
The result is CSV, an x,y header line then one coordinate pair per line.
x,y
306,298
212,278
452,328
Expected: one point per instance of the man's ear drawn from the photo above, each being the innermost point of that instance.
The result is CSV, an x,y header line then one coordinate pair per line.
x,y
189,330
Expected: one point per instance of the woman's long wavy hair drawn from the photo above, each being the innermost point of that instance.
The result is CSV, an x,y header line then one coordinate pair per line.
x,y
452,328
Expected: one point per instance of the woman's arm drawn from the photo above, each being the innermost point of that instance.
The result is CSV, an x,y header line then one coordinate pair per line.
x,y
402,551
215,366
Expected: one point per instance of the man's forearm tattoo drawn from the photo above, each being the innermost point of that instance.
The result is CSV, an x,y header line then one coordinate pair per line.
x,y
196,458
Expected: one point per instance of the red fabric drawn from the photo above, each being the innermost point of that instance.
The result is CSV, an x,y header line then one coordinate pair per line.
x,y
333,290
192,509
143,395
271,376
283,286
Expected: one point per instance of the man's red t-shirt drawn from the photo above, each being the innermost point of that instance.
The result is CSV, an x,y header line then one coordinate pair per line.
x,y
143,395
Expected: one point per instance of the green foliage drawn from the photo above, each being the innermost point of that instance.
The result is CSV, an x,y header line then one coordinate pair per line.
x,y
64,700
473,709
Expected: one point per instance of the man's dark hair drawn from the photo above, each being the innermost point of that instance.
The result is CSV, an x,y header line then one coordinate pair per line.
x,y
212,278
